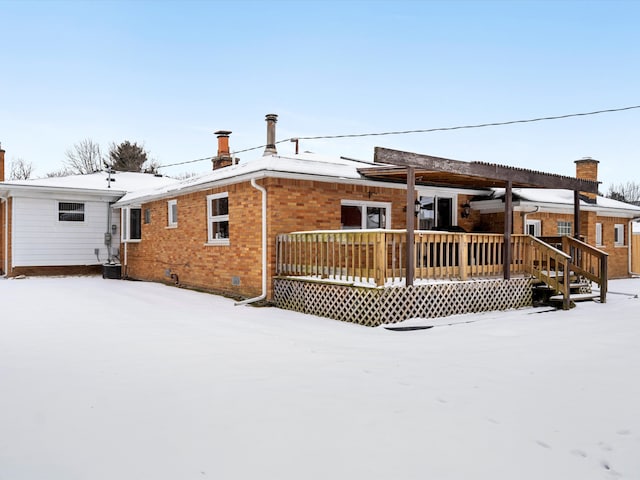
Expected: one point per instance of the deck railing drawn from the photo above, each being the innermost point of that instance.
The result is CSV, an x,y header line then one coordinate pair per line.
x,y
588,262
377,257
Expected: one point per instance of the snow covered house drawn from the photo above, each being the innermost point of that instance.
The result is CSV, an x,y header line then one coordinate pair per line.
x,y
63,225
345,238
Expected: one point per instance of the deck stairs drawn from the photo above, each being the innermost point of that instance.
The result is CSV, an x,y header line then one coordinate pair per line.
x,y
564,271
580,290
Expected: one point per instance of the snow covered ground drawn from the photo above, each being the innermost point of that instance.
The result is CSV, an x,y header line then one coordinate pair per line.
x,y
106,379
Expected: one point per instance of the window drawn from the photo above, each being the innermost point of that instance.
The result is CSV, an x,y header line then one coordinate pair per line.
x,y
131,228
147,215
218,218
172,213
564,228
533,227
70,212
618,235
436,213
360,215
598,234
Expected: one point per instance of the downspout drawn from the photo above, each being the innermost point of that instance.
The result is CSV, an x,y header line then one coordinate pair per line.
x,y
630,243
6,236
264,246
524,219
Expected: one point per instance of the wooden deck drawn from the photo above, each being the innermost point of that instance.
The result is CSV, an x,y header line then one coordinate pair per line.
x,y
377,258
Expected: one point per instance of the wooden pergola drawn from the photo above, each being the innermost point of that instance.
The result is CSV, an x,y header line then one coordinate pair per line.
x,y
406,166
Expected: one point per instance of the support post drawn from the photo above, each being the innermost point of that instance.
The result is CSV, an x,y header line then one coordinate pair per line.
x,y
411,198
508,227
576,214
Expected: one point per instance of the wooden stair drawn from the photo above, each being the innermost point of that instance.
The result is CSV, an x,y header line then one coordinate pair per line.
x,y
579,288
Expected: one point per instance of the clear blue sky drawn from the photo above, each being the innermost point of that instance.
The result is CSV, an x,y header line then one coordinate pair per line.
x,y
168,74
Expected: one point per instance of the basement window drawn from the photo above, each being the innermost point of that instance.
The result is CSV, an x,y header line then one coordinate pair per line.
x,y
70,212
131,219
218,219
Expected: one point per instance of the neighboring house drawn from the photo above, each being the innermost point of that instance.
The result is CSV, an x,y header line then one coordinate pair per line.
x,y
63,225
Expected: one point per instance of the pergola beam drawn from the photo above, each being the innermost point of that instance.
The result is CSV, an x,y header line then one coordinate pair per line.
x,y
490,173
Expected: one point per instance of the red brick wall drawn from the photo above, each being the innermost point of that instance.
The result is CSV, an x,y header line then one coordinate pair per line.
x,y
618,256
293,205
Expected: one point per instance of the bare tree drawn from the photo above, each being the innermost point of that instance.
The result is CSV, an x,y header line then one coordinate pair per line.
x,y
85,157
628,192
63,172
20,170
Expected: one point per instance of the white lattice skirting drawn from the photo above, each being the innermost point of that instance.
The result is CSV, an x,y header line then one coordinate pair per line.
x,y
377,306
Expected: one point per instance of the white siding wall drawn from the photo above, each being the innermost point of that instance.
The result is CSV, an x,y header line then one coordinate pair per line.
x,y
39,239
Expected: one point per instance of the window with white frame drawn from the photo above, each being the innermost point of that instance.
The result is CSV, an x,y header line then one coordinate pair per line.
x,y
533,227
436,212
356,214
218,218
564,228
598,234
172,213
618,234
131,220
70,212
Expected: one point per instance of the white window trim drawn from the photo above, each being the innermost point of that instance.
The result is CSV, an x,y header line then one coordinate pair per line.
x,y
537,227
599,235
438,194
125,230
215,218
364,204
171,223
619,227
77,222
565,223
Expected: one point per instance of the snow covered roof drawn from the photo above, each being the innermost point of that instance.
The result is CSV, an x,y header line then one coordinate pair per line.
x,y
564,198
307,164
121,182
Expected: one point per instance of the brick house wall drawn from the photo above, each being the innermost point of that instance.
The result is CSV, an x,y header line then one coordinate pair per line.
x,y
235,269
618,261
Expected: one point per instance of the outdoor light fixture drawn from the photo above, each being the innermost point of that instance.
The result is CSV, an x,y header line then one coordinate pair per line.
x,y
417,206
466,210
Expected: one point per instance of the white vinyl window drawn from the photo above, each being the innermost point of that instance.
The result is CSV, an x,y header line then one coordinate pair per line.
x,y
598,234
564,228
356,214
70,212
437,212
618,235
131,224
172,213
218,219
533,227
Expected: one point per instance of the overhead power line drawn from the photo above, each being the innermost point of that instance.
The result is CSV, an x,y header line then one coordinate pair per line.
x,y
425,130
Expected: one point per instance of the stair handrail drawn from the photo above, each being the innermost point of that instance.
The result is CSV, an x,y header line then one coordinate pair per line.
x,y
581,249
556,274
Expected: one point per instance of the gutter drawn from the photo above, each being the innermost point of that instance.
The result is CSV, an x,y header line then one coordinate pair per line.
x,y
264,246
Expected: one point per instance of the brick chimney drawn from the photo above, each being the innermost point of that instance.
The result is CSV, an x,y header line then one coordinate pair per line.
x,y
587,169
1,164
270,148
223,159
